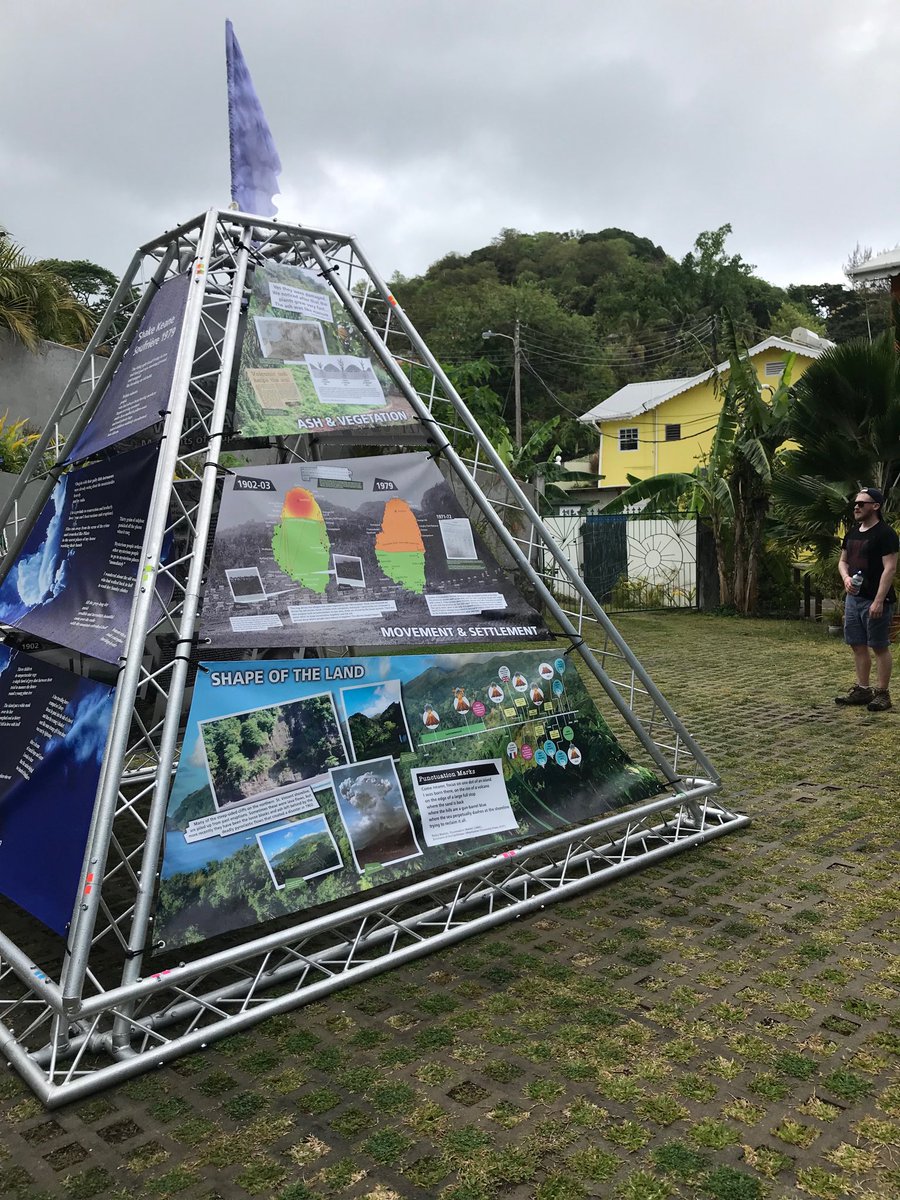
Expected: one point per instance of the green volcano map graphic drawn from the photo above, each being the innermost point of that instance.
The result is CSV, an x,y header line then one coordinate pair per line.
x,y
399,547
300,542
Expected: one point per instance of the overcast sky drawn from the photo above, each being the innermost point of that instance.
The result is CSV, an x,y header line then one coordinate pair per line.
x,y
424,126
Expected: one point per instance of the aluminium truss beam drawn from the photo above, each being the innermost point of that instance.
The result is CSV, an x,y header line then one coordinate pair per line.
x,y
511,890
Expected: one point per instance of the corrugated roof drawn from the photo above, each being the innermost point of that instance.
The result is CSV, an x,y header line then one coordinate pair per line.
x,y
636,398
630,399
880,266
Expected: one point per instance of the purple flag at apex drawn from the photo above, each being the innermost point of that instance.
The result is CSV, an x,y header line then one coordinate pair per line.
x,y
255,164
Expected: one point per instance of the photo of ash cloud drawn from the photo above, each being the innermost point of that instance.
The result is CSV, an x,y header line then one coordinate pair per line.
x,y
374,813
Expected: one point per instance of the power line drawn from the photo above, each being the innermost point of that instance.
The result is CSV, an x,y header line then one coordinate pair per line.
x,y
612,360
659,335
656,342
547,388
574,350
612,436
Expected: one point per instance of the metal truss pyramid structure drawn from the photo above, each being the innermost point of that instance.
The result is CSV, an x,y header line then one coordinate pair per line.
x,y
100,1008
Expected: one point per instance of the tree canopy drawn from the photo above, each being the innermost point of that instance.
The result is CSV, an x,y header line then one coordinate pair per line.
x,y
599,310
90,284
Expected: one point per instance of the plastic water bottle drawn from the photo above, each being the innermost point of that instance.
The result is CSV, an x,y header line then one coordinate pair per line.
x,y
856,581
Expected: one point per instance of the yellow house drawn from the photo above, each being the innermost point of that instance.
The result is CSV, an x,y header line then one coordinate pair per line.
x,y
667,424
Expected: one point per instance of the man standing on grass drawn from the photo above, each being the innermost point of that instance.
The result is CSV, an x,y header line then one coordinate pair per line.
x,y
869,548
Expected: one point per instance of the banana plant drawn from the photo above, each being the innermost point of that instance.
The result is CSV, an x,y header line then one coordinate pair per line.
x,y
730,488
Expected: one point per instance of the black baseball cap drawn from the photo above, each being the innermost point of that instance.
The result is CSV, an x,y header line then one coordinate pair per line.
x,y
877,496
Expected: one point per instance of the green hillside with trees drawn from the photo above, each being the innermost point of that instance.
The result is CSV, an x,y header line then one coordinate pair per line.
x,y
599,310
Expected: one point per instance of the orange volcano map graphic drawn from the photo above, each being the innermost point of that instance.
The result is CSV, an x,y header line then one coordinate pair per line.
x,y
399,547
300,542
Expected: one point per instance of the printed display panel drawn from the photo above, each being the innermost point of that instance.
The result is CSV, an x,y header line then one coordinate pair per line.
x,y
137,396
53,728
305,366
73,581
438,757
370,551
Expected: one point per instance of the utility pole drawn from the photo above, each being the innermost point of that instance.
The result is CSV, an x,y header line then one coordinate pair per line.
x,y
517,384
517,373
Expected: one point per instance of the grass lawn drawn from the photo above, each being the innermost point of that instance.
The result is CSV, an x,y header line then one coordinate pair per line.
x,y
722,1026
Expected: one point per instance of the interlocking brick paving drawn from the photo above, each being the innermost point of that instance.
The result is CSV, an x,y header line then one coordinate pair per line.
x,y
723,1025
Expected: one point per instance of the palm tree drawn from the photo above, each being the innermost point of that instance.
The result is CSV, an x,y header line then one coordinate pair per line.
x,y
846,425
761,428
35,303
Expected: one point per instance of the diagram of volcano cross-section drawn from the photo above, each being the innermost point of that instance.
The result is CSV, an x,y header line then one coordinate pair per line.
x,y
363,551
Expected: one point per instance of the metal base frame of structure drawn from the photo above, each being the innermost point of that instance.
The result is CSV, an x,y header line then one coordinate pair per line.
x,y
79,1017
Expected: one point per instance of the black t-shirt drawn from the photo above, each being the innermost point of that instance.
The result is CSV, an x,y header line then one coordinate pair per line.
x,y
865,549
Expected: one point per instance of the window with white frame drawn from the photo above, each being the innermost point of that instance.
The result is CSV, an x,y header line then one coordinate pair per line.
x,y
776,368
628,438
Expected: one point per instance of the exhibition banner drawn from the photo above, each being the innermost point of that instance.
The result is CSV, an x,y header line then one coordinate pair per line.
x,y
307,780
137,396
363,551
305,366
53,728
73,580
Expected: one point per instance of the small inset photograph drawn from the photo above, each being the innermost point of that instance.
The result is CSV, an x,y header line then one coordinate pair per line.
x,y
299,851
374,813
376,720
289,341
458,539
257,754
348,570
246,585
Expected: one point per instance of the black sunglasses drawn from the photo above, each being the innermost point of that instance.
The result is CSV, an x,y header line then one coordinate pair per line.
x,y
862,503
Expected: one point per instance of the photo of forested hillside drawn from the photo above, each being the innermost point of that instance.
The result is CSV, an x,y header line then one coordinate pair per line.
x,y
298,851
376,721
252,754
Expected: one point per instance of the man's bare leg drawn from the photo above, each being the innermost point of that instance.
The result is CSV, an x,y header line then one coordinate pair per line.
x,y
864,664
883,664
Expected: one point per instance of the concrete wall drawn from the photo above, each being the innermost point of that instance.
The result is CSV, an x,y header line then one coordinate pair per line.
x,y
26,500
32,383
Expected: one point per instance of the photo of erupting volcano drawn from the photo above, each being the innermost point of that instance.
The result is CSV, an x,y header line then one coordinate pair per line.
x,y
374,812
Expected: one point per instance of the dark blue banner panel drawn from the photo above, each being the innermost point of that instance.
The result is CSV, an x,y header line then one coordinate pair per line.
x,y
73,581
53,729
138,393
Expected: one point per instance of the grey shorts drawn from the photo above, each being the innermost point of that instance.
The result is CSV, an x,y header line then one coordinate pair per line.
x,y
862,630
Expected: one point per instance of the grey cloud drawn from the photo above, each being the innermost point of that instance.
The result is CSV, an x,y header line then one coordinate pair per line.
x,y
426,126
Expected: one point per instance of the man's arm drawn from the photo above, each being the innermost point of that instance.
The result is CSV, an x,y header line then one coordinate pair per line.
x,y
888,571
844,571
